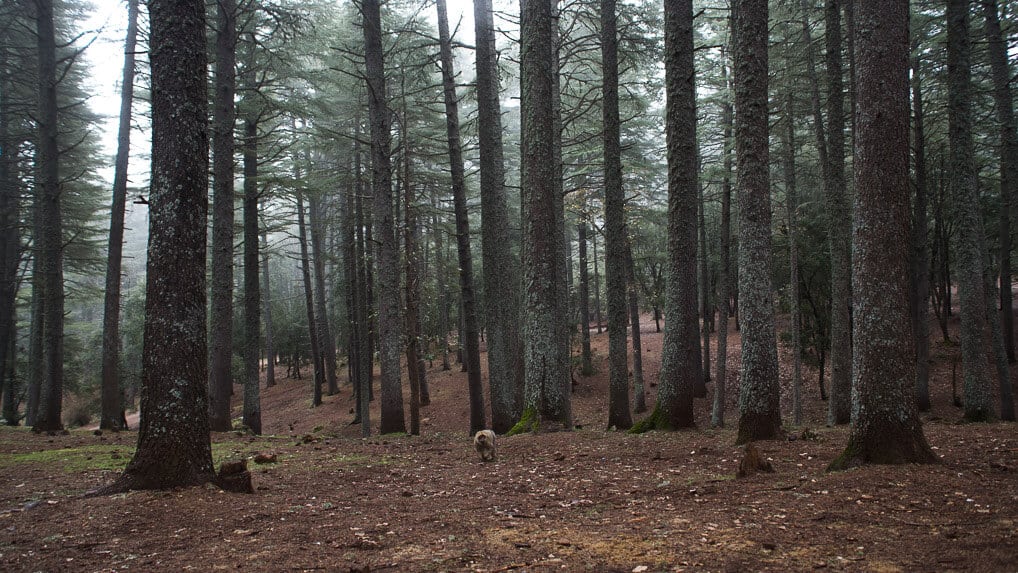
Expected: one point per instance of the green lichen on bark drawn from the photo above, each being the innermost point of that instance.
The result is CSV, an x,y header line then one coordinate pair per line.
x,y
848,459
529,422
657,420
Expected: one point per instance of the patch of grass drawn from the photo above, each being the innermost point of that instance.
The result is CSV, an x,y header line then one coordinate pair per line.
x,y
231,450
72,460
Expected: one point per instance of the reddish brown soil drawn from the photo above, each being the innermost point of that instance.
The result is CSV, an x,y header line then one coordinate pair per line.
x,y
587,500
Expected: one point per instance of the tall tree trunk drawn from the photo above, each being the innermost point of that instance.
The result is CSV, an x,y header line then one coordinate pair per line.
x,y
597,282
639,389
920,248
703,285
681,366
309,303
792,202
586,368
619,415
326,343
223,120
270,349
839,222
112,413
389,325
563,306
971,257
546,398
885,424
724,274
366,358
174,449
1000,70
759,411
415,367
35,337
353,294
10,247
49,240
252,412
459,193
444,306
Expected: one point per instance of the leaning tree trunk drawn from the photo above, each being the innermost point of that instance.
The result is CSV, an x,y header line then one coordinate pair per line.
x,y
968,218
49,240
112,415
619,415
759,411
173,439
885,425
459,193
224,118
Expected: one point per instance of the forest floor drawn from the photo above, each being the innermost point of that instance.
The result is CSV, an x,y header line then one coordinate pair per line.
x,y
586,500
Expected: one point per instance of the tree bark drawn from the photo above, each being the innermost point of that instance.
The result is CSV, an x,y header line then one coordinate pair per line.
x,y
681,366
759,412
724,274
270,349
546,398
309,303
885,424
112,411
978,396
414,363
49,239
586,368
839,222
389,324
619,415
459,193
793,258
326,343
1000,70
920,248
10,247
224,118
252,410
174,449
639,391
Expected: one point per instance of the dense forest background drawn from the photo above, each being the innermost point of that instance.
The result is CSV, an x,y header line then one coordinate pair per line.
x,y
378,195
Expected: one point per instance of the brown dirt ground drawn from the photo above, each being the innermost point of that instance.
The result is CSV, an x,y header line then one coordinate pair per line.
x,y
587,500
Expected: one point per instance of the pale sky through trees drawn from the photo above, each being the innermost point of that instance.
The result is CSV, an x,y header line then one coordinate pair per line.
x,y
105,58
